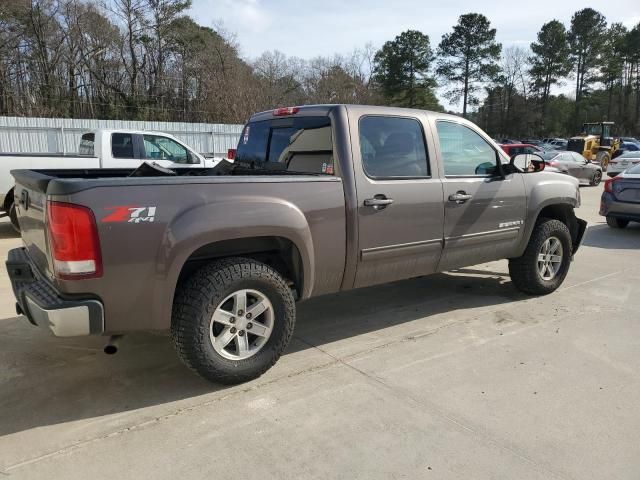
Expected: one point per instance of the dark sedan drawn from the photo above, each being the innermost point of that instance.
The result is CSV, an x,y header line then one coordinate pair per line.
x,y
620,202
574,164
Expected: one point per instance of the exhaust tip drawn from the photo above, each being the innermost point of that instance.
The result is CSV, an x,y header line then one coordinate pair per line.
x,y
111,348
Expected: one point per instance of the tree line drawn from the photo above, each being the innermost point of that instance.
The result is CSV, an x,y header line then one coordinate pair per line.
x,y
149,60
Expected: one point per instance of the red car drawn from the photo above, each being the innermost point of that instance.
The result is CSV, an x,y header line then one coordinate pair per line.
x,y
516,148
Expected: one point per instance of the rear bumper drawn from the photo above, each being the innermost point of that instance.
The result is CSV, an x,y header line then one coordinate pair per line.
x,y
610,207
44,306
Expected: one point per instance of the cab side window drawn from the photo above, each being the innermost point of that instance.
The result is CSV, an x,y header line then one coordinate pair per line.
x,y
157,147
464,152
122,145
577,157
393,147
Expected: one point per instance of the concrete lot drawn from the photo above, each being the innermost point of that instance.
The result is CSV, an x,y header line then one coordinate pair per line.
x,y
455,376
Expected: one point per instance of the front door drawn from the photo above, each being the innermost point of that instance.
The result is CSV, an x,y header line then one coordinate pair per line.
x,y
400,217
484,213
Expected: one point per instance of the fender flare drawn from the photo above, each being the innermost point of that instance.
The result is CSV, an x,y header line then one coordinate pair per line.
x,y
239,218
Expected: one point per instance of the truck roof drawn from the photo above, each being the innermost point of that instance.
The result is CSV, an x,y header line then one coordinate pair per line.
x,y
326,109
128,130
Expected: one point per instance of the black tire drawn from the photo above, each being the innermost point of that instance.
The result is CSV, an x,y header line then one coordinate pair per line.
x,y
13,216
596,179
524,270
603,159
198,297
614,222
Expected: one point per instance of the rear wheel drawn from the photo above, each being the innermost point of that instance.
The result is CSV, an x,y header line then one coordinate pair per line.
x,y
232,319
545,263
614,222
596,179
603,159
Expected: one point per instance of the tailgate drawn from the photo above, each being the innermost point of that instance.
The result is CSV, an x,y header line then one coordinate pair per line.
x,y
31,201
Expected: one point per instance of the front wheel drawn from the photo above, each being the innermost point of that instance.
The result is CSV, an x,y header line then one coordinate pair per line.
x,y
603,159
232,319
596,179
545,263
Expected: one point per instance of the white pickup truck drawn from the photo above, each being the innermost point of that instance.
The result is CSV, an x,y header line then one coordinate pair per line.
x,y
102,148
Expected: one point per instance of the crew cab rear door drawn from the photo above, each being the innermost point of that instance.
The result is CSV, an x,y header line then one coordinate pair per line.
x,y
484,212
400,215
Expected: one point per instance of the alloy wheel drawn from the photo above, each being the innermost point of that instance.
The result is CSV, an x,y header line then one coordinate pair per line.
x,y
241,324
550,258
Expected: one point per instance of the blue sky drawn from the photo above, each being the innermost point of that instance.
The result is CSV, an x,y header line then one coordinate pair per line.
x,y
308,28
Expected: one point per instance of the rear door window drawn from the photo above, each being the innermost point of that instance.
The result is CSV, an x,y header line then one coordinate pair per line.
x,y
392,147
122,145
302,144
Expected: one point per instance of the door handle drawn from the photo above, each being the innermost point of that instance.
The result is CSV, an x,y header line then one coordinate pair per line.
x,y
460,197
378,202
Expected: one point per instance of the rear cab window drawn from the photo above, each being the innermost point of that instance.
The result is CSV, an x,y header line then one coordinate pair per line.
x,y
87,144
293,144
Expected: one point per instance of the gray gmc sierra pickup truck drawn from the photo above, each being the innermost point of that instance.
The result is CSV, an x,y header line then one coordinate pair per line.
x,y
321,199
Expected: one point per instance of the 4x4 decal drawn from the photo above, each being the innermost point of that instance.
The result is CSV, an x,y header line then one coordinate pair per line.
x,y
130,214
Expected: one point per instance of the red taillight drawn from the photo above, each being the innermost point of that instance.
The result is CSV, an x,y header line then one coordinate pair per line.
x,y
231,153
279,112
608,184
73,238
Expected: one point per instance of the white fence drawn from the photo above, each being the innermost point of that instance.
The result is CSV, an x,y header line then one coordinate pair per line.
x,y
62,135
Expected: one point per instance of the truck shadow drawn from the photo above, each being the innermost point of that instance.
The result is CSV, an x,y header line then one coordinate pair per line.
x,y
46,380
7,231
602,236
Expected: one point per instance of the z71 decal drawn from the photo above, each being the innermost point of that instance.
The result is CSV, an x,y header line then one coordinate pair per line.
x,y
130,214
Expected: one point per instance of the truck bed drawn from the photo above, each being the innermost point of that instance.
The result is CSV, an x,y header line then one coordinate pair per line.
x,y
191,210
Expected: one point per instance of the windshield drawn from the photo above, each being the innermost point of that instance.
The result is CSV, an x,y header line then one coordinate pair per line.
x,y
593,129
301,144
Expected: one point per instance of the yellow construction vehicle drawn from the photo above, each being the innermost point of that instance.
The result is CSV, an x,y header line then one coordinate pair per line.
x,y
595,143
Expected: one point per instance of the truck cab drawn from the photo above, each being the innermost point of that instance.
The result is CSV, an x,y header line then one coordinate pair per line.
x,y
128,148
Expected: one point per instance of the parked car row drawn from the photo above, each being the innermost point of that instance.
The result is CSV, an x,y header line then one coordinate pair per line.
x,y
621,196
569,163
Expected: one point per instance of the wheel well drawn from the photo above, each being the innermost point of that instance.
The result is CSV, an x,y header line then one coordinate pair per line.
x,y
278,252
564,213
8,200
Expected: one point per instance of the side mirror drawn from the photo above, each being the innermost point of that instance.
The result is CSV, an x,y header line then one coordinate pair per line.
x,y
528,162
